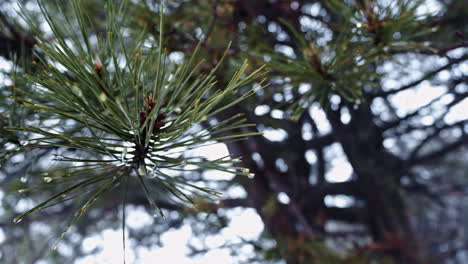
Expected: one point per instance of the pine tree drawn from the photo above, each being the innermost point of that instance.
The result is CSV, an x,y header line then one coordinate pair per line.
x,y
105,103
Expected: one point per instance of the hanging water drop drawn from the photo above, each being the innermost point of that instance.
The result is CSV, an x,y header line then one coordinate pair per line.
x,y
159,214
48,179
122,157
142,169
17,219
81,211
102,97
23,179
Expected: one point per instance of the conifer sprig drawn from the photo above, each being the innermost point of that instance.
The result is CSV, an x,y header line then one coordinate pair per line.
x,y
136,111
366,32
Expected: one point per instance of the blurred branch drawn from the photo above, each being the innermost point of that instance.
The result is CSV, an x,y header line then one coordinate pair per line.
x,y
440,153
417,149
427,76
214,17
17,44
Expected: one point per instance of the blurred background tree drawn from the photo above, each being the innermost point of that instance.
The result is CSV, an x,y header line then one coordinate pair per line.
x,y
363,154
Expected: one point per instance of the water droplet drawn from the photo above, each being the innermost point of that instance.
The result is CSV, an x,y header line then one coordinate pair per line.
x,y
48,179
81,211
250,175
23,179
142,169
123,155
53,248
159,213
22,190
245,170
45,174
17,219
102,97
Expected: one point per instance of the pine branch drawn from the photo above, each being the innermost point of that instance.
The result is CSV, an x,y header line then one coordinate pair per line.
x,y
138,117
